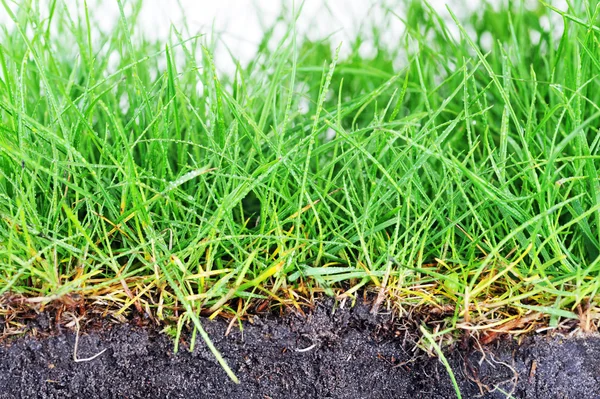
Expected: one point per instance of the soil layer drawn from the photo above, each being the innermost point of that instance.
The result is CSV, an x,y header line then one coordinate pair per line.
x,y
346,353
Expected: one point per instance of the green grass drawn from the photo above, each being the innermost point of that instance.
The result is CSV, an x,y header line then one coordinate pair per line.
x,y
464,183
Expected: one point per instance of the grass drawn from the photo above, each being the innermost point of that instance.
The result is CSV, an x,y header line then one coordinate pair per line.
x,y
453,175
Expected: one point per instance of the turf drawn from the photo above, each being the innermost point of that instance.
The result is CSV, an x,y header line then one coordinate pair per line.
x,y
449,173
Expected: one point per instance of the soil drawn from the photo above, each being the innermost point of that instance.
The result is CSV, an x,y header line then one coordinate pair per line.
x,y
346,353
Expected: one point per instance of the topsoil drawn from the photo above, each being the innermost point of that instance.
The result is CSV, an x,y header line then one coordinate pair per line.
x,y
341,353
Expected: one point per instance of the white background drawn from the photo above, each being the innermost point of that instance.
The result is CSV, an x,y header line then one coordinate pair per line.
x,y
241,23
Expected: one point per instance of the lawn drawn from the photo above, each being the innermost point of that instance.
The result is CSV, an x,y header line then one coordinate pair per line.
x,y
453,173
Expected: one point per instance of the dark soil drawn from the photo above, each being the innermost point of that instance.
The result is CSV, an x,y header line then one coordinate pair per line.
x,y
348,353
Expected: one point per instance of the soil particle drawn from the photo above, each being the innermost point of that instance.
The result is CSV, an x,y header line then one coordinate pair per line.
x,y
346,353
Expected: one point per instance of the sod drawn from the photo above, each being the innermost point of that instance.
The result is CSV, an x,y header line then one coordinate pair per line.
x,y
453,176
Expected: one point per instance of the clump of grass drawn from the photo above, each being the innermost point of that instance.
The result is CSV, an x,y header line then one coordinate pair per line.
x,y
464,182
